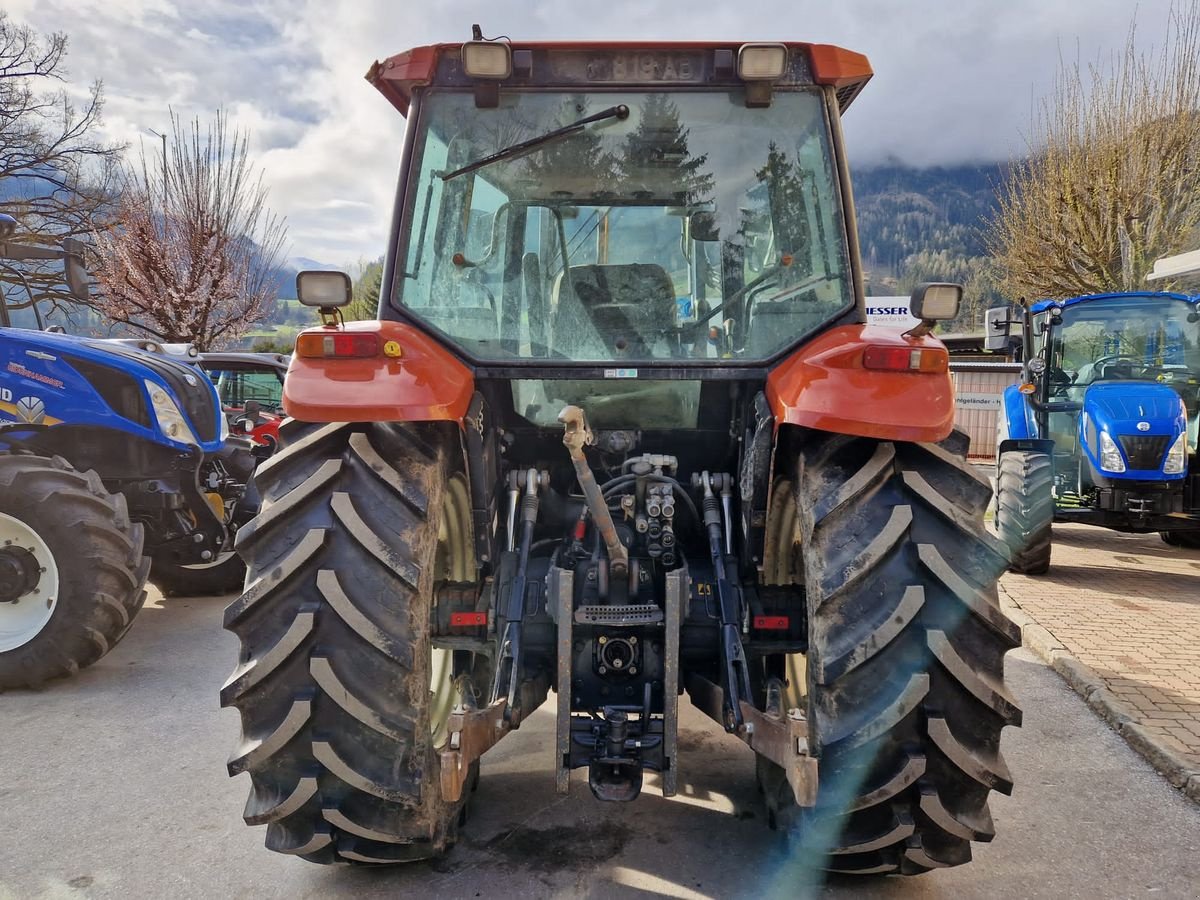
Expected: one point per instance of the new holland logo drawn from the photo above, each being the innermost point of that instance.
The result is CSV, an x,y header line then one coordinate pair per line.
x,y
1143,426
31,410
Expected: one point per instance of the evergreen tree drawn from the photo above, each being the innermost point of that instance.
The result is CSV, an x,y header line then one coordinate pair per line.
x,y
656,155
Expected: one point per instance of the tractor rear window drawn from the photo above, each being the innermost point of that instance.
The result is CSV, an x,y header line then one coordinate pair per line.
x,y
611,403
677,226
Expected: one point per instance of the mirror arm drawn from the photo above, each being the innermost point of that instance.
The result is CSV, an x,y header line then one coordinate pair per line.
x,y
924,327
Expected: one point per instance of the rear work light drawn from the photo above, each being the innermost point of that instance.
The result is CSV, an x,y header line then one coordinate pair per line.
x,y
905,359
487,59
762,62
337,345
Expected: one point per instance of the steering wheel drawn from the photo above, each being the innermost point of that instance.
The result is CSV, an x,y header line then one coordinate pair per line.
x,y
1101,365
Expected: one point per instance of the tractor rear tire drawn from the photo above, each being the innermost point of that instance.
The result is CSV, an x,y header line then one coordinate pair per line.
x,y
905,668
340,721
92,573
1189,539
1025,509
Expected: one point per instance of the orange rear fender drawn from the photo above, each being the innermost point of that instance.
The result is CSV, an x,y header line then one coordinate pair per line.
x,y
424,383
825,385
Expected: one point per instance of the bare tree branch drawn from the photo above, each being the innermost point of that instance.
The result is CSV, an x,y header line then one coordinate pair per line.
x,y
1111,181
196,253
55,178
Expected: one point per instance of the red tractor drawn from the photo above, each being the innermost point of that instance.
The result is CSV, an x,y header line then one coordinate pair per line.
x,y
251,390
620,432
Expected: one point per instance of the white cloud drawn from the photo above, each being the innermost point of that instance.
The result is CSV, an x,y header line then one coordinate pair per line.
x,y
955,81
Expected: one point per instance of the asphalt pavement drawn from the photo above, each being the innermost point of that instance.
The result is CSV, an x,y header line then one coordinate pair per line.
x,y
113,784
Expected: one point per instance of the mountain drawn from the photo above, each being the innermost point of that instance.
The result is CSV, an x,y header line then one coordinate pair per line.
x,y
902,211
286,282
304,263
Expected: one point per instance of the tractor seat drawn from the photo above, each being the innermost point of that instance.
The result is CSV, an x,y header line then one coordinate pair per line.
x,y
774,322
614,308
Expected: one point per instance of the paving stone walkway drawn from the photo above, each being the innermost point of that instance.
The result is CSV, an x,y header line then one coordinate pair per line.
x,y
1128,608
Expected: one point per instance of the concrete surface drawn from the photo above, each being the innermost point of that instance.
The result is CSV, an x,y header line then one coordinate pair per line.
x,y
113,785
1118,615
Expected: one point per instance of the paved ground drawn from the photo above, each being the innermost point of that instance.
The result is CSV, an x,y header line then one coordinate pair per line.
x,y
113,785
1128,607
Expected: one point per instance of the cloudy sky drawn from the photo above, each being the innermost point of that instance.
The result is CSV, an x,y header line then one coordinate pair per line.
x,y
955,80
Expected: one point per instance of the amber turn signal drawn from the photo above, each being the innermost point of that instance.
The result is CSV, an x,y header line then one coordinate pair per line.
x,y
337,344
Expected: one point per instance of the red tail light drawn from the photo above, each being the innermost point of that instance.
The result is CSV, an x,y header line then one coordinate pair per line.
x,y
337,344
906,359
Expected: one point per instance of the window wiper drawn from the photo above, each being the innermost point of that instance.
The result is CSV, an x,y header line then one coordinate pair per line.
x,y
516,150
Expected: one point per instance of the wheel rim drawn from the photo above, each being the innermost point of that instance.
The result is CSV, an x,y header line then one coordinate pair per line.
x,y
454,561
23,620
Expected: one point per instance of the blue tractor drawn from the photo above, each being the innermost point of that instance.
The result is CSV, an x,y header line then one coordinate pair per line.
x,y
1103,428
115,465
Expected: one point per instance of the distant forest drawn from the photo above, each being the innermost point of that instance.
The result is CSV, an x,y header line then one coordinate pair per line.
x,y
928,225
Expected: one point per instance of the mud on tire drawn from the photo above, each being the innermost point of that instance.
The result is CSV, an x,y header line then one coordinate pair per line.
x,y
333,684
906,696
97,551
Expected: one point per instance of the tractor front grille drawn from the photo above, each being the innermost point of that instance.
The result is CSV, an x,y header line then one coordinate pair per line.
x,y
1145,451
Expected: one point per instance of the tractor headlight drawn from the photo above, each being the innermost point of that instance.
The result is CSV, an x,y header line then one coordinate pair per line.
x,y
1176,460
170,419
224,420
1110,456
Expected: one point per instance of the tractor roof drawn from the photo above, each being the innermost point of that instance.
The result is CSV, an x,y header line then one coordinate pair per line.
x,y
396,77
1042,305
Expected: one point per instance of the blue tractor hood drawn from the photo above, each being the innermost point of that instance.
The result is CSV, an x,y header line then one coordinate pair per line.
x,y
1143,418
51,379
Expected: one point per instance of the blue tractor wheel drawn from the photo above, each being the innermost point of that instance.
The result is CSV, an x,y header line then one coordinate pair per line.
x,y
1025,508
71,569
1189,539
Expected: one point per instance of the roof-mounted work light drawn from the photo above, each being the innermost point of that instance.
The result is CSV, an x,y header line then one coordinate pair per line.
x,y
487,59
489,63
760,66
761,62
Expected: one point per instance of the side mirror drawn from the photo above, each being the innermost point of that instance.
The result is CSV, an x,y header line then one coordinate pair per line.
x,y
935,301
75,270
997,323
324,290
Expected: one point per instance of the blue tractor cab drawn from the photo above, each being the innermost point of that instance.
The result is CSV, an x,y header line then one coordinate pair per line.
x,y
1103,427
116,465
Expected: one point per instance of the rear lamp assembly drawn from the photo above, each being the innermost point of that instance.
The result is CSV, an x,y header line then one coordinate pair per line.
x,y
906,359
337,345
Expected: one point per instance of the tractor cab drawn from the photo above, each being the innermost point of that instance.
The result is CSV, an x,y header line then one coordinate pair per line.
x,y
1114,353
